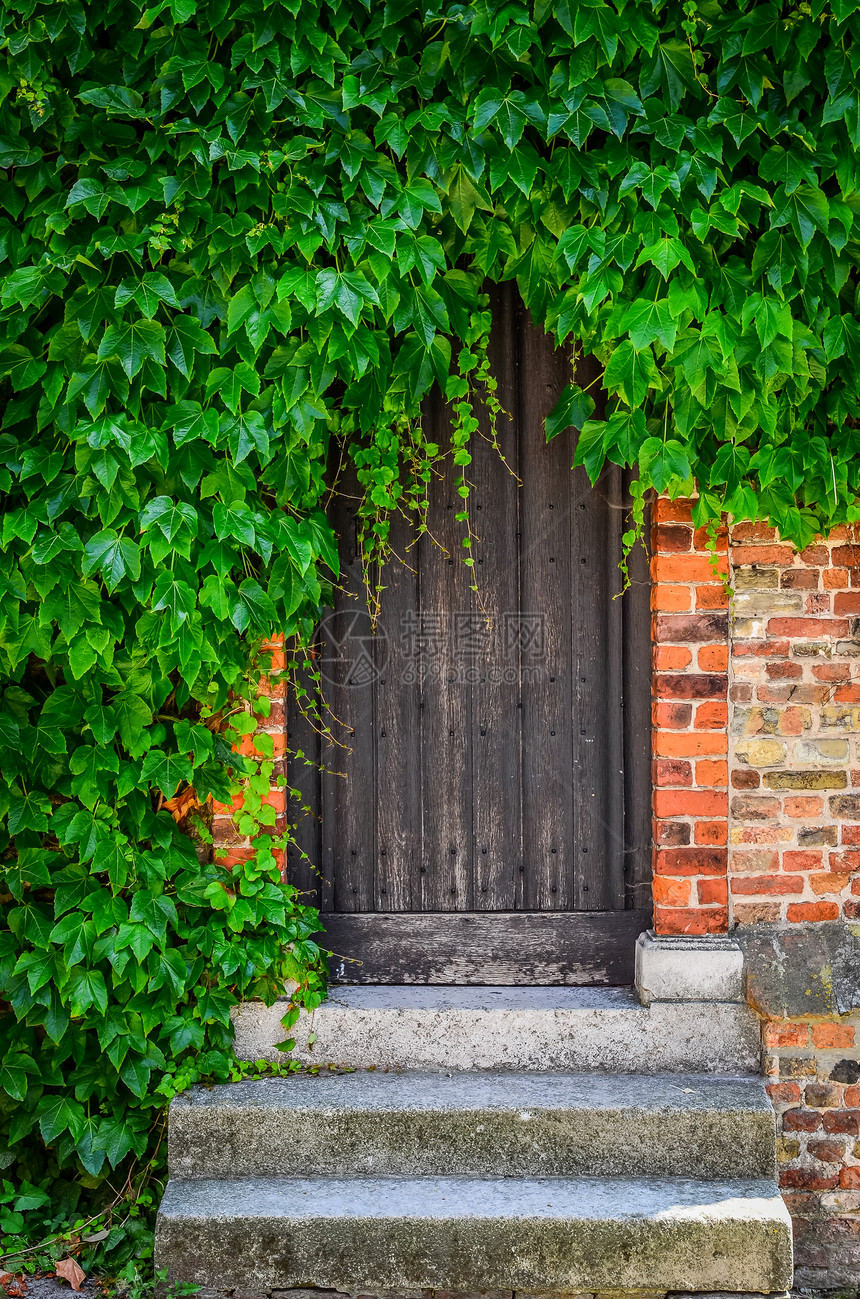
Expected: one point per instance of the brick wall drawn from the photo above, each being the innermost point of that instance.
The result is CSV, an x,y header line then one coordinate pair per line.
x,y
795,761
689,628
794,857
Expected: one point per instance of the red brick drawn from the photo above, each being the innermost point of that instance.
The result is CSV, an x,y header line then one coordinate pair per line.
x,y
713,892
832,1035
745,778
800,1120
846,602
711,832
768,884
712,597
849,1178
828,882
690,745
820,628
823,1095
847,694
851,834
762,555
691,861
807,1178
671,771
666,511
777,1034
669,802
793,860
799,579
670,892
803,806
851,1096
740,692
710,773
753,532
690,685
712,716
702,920
702,538
848,556
801,911
844,1122
671,833
784,1093
829,1152
762,649
755,807
687,568
672,658
845,861
670,599
713,658
831,671
675,717
681,628
671,537
835,578
816,555
776,670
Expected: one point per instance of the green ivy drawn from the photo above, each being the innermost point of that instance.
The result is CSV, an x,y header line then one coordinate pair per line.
x,y
241,241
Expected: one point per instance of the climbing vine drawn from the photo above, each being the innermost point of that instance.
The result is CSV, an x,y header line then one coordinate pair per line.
x,y
240,242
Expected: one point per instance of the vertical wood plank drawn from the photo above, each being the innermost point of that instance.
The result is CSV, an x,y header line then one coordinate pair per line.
x,y
545,584
398,730
348,689
496,733
446,870
597,731
636,616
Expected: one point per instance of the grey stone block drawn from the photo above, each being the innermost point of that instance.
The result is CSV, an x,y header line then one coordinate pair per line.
x,y
688,968
570,1030
562,1235
534,1125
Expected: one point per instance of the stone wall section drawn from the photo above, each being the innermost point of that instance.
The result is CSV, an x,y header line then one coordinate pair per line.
x,y
794,837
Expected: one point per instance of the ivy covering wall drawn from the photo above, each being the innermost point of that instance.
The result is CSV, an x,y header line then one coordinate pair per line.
x,y
241,241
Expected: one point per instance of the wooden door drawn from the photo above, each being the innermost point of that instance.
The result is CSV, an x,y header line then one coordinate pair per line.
x,y
482,814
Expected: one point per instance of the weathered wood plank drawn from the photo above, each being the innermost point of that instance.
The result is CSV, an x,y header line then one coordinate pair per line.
x,y
485,948
636,615
303,807
545,586
495,689
348,691
398,731
447,871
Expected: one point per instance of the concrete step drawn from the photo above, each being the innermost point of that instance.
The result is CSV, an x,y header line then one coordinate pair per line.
x,y
365,1235
571,1030
532,1125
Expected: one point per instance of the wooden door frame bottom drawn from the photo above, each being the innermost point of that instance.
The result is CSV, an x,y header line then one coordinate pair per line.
x,y
487,948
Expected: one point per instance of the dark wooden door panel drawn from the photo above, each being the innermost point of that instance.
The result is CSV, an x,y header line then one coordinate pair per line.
x,y
489,748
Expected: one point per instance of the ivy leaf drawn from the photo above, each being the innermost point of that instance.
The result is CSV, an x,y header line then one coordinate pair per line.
x,y
648,321
133,344
166,770
113,556
185,337
570,411
664,461
631,372
806,209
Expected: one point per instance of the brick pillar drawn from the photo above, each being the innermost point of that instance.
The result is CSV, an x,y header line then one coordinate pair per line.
x,y
690,717
267,744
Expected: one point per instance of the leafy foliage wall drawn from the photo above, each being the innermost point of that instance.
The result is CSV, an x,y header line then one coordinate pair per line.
x,y
242,240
